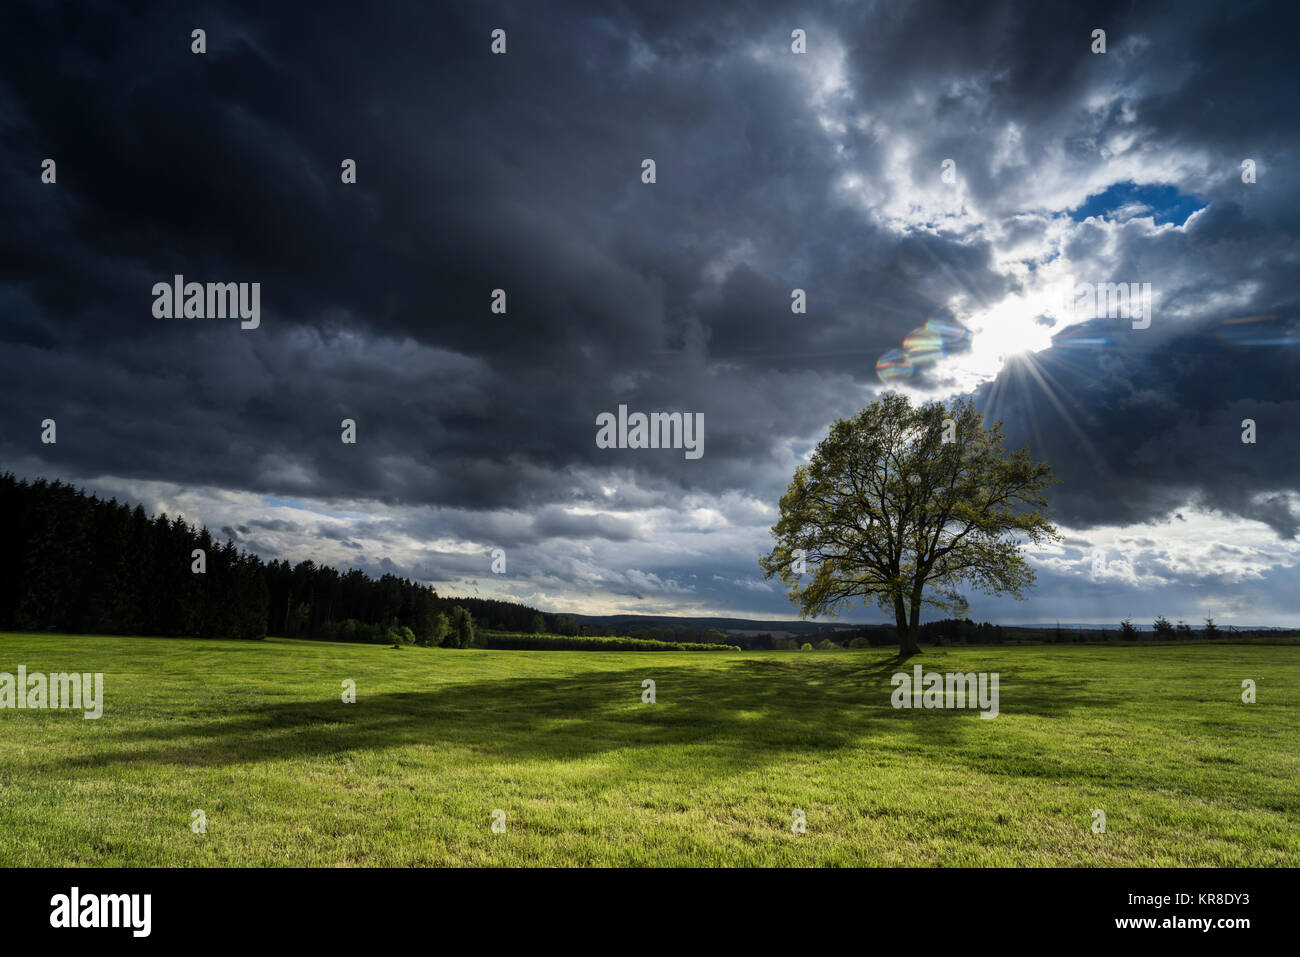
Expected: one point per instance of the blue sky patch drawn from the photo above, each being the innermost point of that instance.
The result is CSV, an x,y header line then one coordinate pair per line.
x,y
1169,205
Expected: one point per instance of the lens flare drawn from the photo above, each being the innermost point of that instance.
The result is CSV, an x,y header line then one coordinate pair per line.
x,y
948,331
1256,331
925,344
894,364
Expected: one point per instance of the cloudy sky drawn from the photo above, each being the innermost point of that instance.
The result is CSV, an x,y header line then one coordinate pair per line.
x,y
824,171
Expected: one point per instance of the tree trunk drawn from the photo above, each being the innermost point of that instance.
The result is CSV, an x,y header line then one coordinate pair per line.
x,y
909,636
907,632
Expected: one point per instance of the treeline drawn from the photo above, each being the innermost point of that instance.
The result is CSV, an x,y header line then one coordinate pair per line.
x,y
946,632
684,635
508,616
766,641
1162,629
521,619
543,642
949,631
72,562
962,631
320,603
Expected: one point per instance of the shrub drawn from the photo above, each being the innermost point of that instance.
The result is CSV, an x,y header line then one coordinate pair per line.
x,y
806,647
438,631
400,635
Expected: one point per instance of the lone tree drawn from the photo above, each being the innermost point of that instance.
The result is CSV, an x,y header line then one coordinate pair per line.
x,y
901,506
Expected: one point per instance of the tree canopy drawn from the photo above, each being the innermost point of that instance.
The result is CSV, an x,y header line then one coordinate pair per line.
x,y
902,506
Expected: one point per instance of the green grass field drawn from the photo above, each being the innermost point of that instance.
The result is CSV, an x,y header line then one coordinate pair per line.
x,y
255,735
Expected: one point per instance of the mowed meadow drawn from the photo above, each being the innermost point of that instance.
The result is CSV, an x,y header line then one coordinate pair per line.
x,y
255,734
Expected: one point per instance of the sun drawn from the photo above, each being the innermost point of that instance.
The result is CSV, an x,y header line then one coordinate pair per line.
x,y
1004,334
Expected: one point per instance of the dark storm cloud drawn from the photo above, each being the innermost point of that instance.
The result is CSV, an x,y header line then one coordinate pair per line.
x,y
522,172
473,175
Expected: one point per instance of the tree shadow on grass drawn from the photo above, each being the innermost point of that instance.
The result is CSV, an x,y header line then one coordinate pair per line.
x,y
748,714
